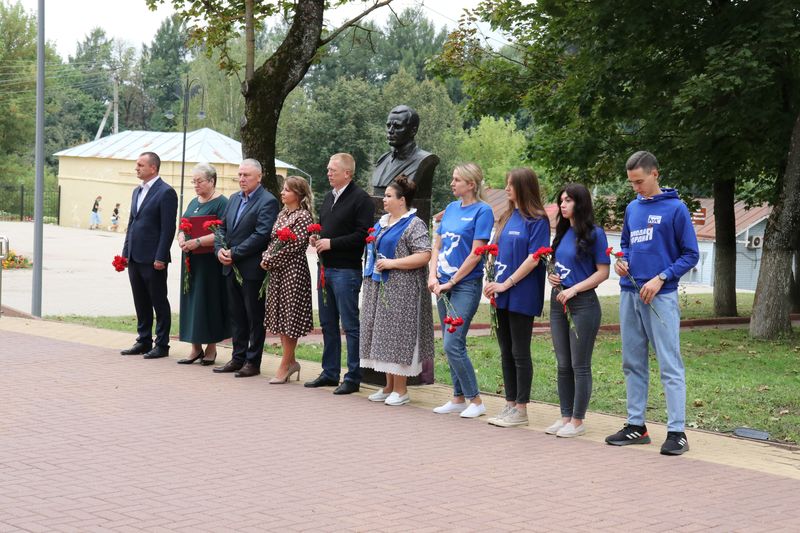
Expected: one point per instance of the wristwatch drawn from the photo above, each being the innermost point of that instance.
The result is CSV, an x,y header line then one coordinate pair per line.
x,y
662,277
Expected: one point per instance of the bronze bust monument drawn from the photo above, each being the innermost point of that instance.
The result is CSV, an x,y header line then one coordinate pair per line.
x,y
405,158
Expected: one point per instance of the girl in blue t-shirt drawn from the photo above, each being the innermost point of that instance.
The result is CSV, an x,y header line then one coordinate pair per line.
x,y
456,271
581,264
518,289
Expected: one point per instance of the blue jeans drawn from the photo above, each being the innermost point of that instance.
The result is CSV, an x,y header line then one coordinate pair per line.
x,y
464,297
343,286
638,325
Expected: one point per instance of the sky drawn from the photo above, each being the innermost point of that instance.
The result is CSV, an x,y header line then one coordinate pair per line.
x,y
68,21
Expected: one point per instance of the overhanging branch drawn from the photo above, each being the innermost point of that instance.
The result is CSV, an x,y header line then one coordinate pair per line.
x,y
335,33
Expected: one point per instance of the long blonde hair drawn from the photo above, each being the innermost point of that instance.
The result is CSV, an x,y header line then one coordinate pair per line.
x,y
300,187
472,173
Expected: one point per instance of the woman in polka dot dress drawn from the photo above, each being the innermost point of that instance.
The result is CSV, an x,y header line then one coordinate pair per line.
x,y
288,307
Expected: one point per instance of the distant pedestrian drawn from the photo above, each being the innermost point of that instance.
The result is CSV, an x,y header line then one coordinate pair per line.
x,y
581,264
114,219
659,246
94,217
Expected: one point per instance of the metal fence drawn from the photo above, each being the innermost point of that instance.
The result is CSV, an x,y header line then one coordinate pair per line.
x,y
16,203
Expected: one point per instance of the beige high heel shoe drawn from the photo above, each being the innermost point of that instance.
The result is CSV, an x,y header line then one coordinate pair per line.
x,y
292,369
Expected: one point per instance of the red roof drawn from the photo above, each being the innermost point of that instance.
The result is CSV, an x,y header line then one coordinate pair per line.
x,y
745,218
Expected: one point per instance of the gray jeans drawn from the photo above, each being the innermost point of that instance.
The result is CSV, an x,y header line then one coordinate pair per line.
x,y
574,352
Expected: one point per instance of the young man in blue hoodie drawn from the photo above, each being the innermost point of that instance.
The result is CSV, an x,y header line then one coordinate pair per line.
x,y
660,246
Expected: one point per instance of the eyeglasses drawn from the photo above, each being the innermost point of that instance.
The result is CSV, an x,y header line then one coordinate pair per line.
x,y
198,182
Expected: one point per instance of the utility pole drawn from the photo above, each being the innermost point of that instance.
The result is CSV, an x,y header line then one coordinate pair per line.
x,y
116,102
38,201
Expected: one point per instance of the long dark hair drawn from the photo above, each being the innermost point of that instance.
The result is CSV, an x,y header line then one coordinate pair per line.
x,y
525,184
582,216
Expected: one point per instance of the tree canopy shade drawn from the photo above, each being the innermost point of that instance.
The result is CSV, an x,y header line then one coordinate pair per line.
x,y
710,87
266,87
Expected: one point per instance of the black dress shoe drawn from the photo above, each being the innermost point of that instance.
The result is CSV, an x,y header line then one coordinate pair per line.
x,y
321,381
230,366
137,349
157,353
248,370
347,387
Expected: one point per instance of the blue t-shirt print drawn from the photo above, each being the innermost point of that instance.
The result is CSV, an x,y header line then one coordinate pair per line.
x,y
460,226
519,238
574,267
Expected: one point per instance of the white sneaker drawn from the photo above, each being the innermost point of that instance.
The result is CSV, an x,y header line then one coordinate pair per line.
x,y
450,407
396,399
553,429
377,396
473,411
571,431
515,417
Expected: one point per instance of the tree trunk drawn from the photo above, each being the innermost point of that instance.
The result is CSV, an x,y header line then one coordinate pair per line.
x,y
273,81
795,290
724,248
771,305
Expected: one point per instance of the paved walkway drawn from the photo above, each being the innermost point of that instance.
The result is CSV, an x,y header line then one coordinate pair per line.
x,y
93,441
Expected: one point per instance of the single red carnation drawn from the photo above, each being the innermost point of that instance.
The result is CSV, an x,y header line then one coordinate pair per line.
x,y
609,250
619,254
370,238
452,329
371,230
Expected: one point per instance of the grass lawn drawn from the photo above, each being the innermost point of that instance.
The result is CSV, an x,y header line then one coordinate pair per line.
x,y
732,380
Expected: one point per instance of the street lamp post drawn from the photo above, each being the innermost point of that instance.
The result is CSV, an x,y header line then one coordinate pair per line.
x,y
201,115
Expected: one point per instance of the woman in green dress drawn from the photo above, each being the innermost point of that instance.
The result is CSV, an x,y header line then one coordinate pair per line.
x,y
204,308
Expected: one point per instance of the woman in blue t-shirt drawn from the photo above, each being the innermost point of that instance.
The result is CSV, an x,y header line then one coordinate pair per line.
x,y
518,289
456,271
581,265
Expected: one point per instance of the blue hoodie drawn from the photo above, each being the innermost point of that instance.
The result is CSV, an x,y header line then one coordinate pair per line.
x,y
658,236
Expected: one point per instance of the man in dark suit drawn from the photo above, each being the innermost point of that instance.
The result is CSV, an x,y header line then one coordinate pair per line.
x,y
151,228
246,227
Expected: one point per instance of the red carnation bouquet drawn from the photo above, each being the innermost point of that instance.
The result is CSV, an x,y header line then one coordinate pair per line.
x,y
489,253
215,227
284,235
547,254
620,256
316,230
452,318
185,227
119,263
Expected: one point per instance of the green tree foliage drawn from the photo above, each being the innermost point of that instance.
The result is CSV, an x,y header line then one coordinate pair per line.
x,y
163,67
710,87
346,117
265,87
497,146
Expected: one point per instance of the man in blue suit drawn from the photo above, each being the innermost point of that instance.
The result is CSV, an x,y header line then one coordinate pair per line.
x,y
151,229
246,227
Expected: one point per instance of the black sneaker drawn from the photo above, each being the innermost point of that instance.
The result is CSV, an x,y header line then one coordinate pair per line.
x,y
629,434
676,443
